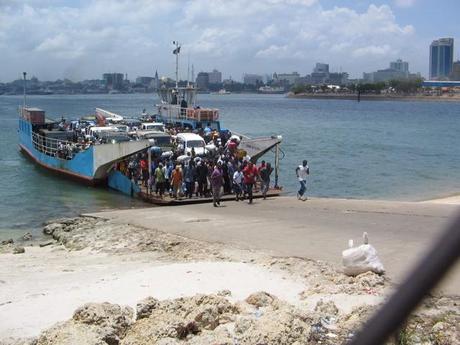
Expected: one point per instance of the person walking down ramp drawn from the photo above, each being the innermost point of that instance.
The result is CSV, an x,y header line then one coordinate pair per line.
x,y
250,174
302,171
265,173
238,183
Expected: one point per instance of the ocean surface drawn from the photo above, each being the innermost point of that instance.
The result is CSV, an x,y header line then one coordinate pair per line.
x,y
372,150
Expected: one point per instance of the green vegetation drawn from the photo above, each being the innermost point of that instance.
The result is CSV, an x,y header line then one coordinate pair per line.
x,y
393,86
375,88
406,86
301,88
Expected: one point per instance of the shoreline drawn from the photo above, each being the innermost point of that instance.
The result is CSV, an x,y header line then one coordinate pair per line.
x,y
367,97
17,235
450,199
95,260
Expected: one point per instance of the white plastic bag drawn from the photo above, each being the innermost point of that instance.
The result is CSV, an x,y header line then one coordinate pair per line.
x,y
357,260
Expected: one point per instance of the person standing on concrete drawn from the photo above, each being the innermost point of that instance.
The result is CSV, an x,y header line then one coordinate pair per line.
x,y
238,183
264,174
189,178
216,184
201,176
160,179
176,180
250,173
302,171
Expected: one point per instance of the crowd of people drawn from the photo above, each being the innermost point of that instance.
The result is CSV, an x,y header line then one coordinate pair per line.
x,y
224,170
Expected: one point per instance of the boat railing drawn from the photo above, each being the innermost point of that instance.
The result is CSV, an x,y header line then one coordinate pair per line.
x,y
176,112
53,147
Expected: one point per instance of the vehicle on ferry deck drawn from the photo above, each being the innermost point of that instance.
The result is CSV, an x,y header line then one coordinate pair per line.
x,y
56,146
160,139
187,141
153,126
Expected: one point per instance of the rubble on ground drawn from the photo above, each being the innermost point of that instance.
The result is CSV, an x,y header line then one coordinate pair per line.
x,y
261,318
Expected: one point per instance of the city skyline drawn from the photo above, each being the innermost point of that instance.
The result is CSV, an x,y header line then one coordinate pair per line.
x,y
57,39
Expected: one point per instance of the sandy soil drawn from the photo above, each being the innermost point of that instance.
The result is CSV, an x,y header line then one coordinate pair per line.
x,y
95,260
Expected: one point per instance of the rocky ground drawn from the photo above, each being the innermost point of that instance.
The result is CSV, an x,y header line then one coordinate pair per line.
x,y
329,308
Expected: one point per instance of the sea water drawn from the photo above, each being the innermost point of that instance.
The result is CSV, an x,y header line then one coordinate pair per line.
x,y
372,149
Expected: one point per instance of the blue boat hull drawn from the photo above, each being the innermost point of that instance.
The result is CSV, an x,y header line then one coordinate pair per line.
x,y
90,166
80,167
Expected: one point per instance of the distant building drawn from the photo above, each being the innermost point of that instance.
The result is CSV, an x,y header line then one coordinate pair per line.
x,y
215,77
387,74
455,75
441,83
268,78
202,81
146,81
320,74
321,68
286,78
398,70
441,58
113,81
338,78
155,84
253,79
400,65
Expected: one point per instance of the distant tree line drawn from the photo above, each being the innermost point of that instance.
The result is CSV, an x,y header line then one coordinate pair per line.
x,y
397,86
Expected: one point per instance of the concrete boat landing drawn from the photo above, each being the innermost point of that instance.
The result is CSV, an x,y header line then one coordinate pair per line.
x,y
167,200
317,229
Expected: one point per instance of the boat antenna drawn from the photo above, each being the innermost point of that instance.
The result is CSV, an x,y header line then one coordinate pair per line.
x,y
188,70
193,75
24,74
176,52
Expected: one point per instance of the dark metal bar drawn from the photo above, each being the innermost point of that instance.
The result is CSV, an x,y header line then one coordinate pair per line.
x,y
427,273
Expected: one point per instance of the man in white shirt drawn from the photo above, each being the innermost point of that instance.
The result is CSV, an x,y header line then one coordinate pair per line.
x,y
238,183
302,171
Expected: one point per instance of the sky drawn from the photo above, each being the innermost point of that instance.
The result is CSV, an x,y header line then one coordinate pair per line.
x,y
56,39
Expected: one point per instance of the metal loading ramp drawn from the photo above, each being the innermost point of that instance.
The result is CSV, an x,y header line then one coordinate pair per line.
x,y
256,148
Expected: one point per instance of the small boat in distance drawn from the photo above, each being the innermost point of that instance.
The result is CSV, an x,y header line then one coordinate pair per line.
x,y
271,90
221,92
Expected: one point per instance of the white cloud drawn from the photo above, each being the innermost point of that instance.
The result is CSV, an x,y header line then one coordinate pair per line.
x,y
404,3
372,51
274,51
235,36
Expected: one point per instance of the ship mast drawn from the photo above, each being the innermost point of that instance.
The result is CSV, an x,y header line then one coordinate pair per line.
x,y
176,52
25,79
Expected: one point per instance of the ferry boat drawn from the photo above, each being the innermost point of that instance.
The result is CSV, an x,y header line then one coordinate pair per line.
x,y
178,107
59,150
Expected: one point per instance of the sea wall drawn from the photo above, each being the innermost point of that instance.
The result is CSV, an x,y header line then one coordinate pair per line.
x,y
367,97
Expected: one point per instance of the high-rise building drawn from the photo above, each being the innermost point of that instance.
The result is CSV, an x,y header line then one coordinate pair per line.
x,y
253,79
144,80
400,65
441,58
321,68
113,81
288,78
215,77
202,81
455,71
320,73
